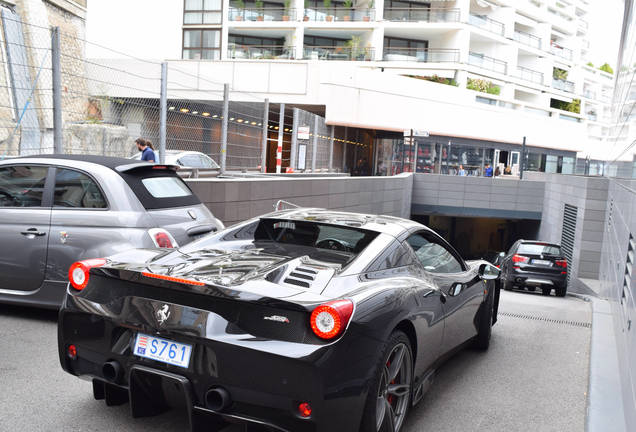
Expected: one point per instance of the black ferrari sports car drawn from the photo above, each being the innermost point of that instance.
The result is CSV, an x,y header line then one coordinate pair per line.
x,y
300,320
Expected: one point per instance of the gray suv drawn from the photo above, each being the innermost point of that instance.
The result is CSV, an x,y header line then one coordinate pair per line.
x,y
55,210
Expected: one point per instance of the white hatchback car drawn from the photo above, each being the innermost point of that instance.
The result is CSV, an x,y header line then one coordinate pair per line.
x,y
193,163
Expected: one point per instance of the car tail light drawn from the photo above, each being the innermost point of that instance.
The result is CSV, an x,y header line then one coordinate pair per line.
x,y
173,279
330,319
520,259
304,409
71,352
561,263
78,273
162,238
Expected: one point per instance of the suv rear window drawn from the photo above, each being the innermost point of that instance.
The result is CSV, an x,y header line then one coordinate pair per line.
x,y
538,249
158,188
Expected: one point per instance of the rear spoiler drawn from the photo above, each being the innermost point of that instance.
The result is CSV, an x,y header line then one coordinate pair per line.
x,y
145,165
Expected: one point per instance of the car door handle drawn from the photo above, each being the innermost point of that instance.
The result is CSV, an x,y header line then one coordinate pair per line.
x,y
33,232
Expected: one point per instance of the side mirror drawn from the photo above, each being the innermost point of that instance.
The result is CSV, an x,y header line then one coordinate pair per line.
x,y
502,254
488,272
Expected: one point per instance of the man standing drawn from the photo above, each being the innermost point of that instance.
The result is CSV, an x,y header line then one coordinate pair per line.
x,y
488,170
146,149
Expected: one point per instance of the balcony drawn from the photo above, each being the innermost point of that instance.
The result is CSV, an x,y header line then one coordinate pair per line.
x,y
421,15
563,85
425,55
338,14
343,53
527,39
486,62
560,51
529,75
260,52
486,23
262,14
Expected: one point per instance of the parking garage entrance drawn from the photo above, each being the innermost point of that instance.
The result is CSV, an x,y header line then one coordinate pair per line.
x,y
475,237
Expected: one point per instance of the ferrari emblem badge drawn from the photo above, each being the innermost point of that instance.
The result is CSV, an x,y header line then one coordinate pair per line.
x,y
163,314
63,237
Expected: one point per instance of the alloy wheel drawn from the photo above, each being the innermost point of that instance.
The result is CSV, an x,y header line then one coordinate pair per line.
x,y
394,391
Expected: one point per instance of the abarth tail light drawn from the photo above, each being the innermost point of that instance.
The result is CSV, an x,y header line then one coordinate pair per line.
x,y
79,272
162,238
304,409
520,259
330,319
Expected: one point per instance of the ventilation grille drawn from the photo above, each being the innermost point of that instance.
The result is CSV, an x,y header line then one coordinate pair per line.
x,y
301,276
548,320
568,233
627,280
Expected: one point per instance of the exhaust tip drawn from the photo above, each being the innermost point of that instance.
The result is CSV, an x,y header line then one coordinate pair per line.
x,y
111,370
217,399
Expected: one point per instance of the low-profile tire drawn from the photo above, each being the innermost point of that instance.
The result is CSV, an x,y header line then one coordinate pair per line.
x,y
561,292
390,392
506,284
546,291
482,340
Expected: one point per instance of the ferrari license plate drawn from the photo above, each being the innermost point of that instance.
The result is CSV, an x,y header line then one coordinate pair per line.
x,y
163,350
542,262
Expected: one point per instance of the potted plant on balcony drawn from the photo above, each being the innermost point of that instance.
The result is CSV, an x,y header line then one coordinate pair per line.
x,y
367,16
259,7
347,5
286,14
327,5
353,46
306,17
240,6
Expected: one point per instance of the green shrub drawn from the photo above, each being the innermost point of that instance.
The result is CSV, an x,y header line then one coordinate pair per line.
x,y
590,64
483,86
574,106
560,74
607,68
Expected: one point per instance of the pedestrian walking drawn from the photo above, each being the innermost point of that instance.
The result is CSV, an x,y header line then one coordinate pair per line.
x,y
146,149
462,171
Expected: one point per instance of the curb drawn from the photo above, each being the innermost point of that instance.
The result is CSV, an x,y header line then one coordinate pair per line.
x,y
604,402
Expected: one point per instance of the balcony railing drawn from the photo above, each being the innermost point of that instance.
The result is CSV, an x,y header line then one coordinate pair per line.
x,y
262,14
527,39
559,51
530,75
260,52
486,62
426,55
486,23
567,86
337,53
340,14
421,15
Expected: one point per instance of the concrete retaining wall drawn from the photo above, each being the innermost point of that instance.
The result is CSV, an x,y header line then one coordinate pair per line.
x,y
478,196
589,195
236,199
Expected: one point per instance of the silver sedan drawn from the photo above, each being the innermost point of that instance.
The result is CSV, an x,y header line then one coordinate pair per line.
x,y
55,210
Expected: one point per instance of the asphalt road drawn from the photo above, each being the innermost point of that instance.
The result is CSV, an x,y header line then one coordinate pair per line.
x,y
533,378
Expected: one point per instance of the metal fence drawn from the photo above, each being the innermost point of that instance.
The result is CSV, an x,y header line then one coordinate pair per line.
x,y
55,100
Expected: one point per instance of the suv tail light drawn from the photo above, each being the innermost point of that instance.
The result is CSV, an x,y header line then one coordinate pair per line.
x,y
79,272
330,319
561,263
520,259
162,238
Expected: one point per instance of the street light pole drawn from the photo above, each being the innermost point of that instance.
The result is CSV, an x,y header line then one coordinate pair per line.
x,y
522,162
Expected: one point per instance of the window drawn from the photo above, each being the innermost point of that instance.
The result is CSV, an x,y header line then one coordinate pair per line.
x,y
396,255
317,41
77,190
434,257
538,249
202,44
22,185
166,187
202,12
197,161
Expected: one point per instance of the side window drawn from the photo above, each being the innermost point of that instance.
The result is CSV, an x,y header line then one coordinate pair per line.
x,y
396,255
191,160
433,256
76,190
22,185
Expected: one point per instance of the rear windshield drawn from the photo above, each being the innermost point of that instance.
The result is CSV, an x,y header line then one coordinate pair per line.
x,y
159,188
344,242
538,249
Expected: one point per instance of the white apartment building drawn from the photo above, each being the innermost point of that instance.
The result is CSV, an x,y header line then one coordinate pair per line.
x,y
482,73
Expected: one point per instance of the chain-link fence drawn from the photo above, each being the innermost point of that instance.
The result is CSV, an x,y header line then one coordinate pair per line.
x,y
55,100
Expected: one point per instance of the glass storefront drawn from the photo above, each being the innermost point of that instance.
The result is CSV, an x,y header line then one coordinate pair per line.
x,y
397,155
